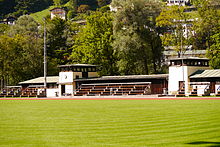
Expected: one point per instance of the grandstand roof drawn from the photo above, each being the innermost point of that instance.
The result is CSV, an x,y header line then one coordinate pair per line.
x,y
206,74
78,65
40,80
157,76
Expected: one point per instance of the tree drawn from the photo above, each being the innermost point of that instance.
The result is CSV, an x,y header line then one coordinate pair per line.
x,y
6,7
21,52
175,20
83,8
134,26
57,2
72,9
25,25
3,28
57,37
102,3
207,24
94,43
213,53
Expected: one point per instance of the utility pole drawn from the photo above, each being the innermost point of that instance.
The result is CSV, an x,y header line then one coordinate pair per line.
x,y
45,59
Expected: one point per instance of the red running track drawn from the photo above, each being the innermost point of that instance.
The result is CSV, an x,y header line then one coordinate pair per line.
x,y
96,98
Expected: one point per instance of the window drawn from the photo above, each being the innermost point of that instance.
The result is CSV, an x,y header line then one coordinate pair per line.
x,y
93,69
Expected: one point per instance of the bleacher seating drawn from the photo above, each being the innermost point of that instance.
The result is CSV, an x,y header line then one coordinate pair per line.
x,y
181,91
113,89
18,92
10,92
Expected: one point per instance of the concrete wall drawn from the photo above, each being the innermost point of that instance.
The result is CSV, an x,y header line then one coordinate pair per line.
x,y
52,92
66,77
175,75
93,74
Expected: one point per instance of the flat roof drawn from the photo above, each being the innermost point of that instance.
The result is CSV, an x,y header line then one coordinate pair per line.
x,y
189,58
40,80
77,65
156,76
215,73
129,83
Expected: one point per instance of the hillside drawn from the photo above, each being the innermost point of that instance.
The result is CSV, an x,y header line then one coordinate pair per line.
x,y
38,16
40,8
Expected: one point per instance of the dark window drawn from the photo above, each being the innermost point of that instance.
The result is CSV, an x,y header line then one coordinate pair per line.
x,y
85,74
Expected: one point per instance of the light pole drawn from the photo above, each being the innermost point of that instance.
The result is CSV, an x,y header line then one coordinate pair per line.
x,y
45,59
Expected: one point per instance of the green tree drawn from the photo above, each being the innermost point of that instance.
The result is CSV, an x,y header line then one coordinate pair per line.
x,y
57,2
102,3
21,52
6,7
57,39
20,59
83,8
134,30
94,43
58,43
3,28
207,24
72,9
213,53
174,20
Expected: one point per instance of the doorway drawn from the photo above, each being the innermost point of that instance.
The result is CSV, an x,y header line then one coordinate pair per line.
x,y
62,89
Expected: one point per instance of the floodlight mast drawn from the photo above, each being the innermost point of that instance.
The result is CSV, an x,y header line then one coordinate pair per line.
x,y
45,58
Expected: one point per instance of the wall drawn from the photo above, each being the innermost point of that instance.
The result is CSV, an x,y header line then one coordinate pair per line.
x,y
93,74
69,89
53,92
65,77
175,75
200,89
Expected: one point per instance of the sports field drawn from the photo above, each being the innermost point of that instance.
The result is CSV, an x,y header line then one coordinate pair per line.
x,y
118,123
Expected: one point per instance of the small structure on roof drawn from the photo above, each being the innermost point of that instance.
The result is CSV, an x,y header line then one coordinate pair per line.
x,y
58,12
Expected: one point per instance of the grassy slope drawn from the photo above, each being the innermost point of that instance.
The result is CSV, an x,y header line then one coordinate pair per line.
x,y
38,16
109,123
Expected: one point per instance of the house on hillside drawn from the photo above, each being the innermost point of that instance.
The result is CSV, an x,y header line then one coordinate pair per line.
x,y
9,21
58,12
177,2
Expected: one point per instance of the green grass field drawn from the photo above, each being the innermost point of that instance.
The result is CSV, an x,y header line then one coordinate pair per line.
x,y
118,123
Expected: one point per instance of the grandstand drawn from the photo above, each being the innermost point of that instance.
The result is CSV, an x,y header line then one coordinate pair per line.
x,y
187,77
142,88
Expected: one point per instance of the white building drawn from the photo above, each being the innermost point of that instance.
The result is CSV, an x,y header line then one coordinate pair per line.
x,y
177,2
180,70
58,12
